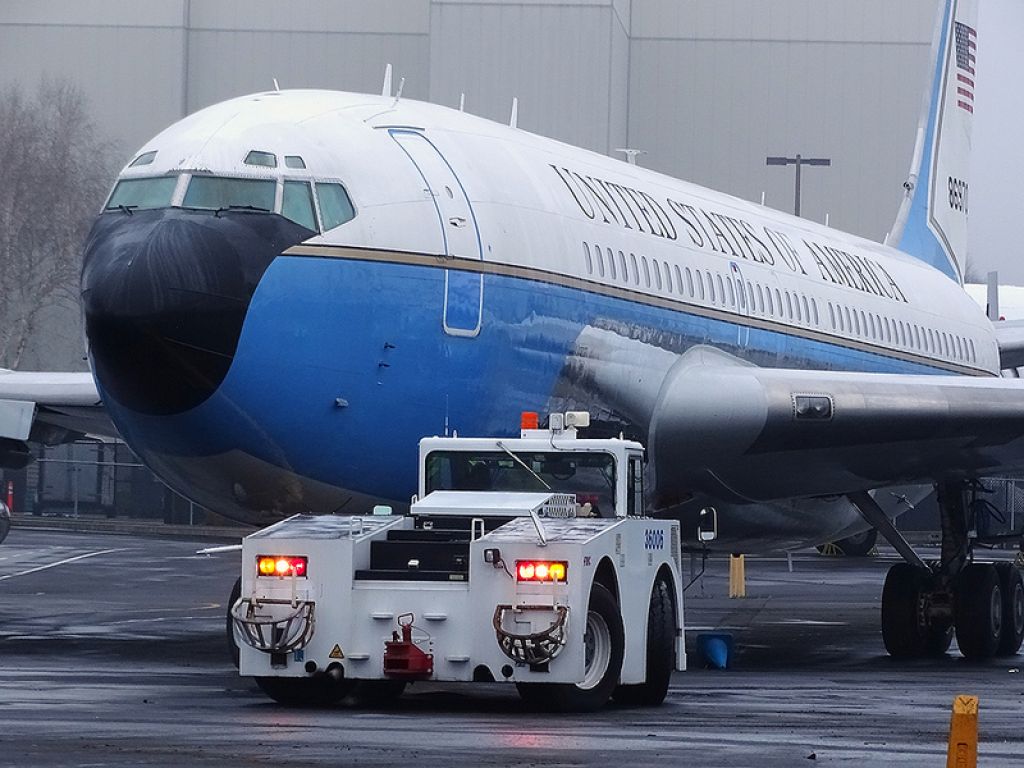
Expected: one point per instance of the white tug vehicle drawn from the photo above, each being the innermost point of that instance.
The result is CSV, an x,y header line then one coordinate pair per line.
x,y
521,560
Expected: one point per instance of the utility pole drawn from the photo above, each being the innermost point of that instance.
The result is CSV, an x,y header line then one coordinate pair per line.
x,y
799,161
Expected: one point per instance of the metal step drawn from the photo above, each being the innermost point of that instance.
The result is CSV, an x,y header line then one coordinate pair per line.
x,y
371,574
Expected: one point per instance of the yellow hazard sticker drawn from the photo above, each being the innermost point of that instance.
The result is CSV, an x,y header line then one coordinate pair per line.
x,y
336,652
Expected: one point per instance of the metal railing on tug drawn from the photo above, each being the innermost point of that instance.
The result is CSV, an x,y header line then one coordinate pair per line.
x,y
261,627
536,647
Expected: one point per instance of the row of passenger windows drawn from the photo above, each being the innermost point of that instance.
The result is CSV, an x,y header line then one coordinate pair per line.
x,y
301,201
750,297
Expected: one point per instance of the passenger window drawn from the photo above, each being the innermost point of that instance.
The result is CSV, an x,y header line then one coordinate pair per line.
x,y
711,289
636,274
832,315
970,344
689,282
807,312
732,293
647,272
778,301
622,268
590,261
599,260
679,279
656,268
611,264
771,305
668,277
335,206
789,305
700,284
760,299
297,204
721,288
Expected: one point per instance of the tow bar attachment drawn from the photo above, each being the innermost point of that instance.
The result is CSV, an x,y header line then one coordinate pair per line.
x,y
274,626
537,647
404,659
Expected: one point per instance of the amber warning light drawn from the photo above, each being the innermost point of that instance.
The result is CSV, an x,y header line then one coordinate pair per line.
x,y
540,571
281,565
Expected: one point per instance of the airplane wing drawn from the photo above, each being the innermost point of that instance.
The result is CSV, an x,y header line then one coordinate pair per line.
x,y
758,434
1010,336
49,408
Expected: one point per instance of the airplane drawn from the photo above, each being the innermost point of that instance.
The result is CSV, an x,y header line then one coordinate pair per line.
x,y
285,291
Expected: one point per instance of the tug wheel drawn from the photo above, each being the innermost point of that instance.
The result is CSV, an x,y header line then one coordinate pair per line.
x,y
603,647
318,691
661,637
236,592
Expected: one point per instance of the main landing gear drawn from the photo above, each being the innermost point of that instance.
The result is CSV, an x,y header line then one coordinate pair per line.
x,y
925,604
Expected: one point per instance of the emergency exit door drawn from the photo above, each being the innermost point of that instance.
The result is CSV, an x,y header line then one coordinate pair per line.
x,y
462,311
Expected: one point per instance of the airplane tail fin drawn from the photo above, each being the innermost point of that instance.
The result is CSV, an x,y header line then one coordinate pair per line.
x,y
932,221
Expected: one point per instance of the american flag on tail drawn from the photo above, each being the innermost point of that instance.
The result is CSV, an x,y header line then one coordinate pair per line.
x,y
966,48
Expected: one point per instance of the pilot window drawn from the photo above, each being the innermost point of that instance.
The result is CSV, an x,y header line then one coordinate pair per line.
x,y
297,204
222,193
591,476
294,161
146,158
143,193
335,206
265,159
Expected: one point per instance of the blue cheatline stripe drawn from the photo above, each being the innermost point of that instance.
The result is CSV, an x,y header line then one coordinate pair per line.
x,y
371,334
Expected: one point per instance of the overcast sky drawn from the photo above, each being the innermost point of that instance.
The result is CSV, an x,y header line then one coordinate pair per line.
x,y
997,173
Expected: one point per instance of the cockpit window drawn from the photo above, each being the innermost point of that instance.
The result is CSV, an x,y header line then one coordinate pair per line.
x,y
266,159
217,193
143,193
297,204
335,206
144,159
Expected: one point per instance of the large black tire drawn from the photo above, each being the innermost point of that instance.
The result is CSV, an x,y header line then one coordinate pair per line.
x,y
321,690
858,545
979,611
605,643
236,592
905,634
661,646
1012,586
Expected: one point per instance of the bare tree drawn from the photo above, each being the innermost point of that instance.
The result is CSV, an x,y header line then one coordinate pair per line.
x,y
56,171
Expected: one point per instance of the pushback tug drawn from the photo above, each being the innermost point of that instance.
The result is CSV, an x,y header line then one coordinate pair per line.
x,y
521,560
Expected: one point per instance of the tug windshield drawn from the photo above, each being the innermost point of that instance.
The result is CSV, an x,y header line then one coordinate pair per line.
x,y
591,476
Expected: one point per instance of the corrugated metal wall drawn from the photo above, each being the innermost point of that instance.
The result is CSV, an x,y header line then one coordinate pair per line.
x,y
707,88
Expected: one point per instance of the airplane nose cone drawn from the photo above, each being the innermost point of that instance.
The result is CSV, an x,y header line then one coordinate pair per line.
x,y
165,293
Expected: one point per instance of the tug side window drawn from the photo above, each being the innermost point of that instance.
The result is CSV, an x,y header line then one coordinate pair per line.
x,y
635,487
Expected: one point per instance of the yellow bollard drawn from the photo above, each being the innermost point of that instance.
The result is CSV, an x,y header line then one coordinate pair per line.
x,y
737,576
963,733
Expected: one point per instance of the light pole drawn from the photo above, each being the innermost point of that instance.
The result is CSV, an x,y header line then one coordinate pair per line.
x,y
798,161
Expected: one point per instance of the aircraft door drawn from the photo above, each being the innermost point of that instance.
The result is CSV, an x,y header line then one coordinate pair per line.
x,y
462,312
743,302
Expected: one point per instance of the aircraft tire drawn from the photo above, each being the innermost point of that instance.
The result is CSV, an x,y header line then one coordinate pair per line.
x,y
236,592
661,637
318,691
1012,586
979,611
902,633
606,640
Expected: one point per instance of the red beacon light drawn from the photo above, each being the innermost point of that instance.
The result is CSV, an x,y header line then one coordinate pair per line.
x,y
541,571
529,420
281,565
